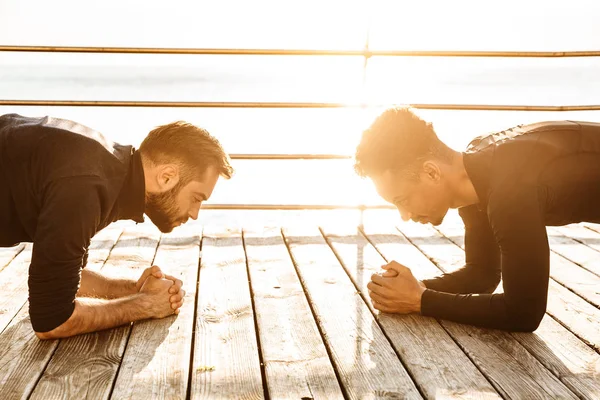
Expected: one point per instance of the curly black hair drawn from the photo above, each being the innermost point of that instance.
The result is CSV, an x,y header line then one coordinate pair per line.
x,y
398,140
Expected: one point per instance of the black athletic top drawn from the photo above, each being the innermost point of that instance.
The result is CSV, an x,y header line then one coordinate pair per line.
x,y
61,182
526,178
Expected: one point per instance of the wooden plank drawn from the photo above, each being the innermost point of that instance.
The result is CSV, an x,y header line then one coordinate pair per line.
x,y
575,313
7,254
593,227
576,365
579,278
296,362
578,244
156,363
511,369
365,361
86,365
101,246
22,357
18,342
559,350
575,278
226,361
447,371
14,286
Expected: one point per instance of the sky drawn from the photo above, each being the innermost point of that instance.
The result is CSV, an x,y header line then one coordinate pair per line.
x,y
385,25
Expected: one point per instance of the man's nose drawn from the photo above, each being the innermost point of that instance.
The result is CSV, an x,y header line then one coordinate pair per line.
x,y
404,215
193,214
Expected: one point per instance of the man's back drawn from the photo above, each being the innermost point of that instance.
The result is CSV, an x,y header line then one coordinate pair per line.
x,y
62,182
561,160
36,153
507,187
525,178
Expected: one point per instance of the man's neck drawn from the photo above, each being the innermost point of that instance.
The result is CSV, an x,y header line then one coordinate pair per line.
x,y
464,194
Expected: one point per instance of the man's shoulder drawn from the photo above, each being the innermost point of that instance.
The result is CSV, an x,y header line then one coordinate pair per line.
x,y
55,129
56,148
518,134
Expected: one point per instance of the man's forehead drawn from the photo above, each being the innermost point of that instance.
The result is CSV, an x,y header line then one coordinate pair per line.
x,y
197,187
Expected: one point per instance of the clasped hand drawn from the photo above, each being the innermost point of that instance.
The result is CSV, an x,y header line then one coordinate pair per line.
x,y
395,290
147,282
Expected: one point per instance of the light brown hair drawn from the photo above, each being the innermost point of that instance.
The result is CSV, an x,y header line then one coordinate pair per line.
x,y
189,146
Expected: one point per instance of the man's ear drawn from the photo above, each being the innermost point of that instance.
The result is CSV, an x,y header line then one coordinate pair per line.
x,y
167,176
432,171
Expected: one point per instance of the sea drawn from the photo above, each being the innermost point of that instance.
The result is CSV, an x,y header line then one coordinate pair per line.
x,y
377,83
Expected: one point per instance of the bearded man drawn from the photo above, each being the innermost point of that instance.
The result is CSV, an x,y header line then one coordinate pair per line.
x,y
62,182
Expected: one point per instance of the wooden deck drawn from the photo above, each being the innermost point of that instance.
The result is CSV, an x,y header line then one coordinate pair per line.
x,y
281,313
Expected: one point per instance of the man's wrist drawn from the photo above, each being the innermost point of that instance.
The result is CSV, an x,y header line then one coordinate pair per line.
x,y
143,305
422,289
130,287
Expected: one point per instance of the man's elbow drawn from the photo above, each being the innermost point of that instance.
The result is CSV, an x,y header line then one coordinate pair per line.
x,y
59,332
46,335
528,322
65,330
46,330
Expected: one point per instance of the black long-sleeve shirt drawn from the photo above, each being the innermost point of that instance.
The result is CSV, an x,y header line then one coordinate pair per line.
x,y
61,182
526,178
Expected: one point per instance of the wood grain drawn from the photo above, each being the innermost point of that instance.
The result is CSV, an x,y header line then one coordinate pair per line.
x,y
19,342
85,366
14,286
296,362
573,362
575,313
575,277
507,364
437,363
22,357
156,363
226,361
366,363
7,254
578,244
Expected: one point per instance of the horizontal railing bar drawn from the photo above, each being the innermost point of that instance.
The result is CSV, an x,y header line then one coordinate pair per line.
x,y
299,52
499,107
289,156
168,104
506,54
294,207
226,104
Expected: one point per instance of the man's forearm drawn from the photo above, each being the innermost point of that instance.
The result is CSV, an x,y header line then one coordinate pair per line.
x,y
485,310
94,284
468,279
92,315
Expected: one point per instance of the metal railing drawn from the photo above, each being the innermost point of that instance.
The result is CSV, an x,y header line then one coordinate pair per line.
x,y
299,52
366,53
289,207
236,104
290,156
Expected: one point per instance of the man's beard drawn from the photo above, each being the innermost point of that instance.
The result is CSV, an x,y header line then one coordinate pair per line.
x,y
162,209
